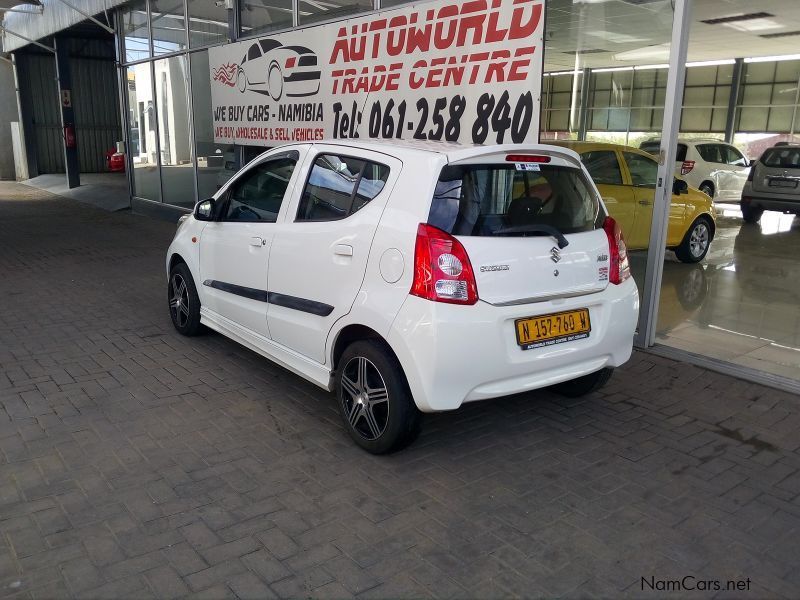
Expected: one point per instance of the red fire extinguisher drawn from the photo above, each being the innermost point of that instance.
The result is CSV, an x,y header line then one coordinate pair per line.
x,y
69,136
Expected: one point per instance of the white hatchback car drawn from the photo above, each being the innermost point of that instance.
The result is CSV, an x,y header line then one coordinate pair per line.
x,y
716,168
411,278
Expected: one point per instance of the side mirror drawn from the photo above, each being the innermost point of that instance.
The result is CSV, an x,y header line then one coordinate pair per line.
x,y
204,211
679,186
753,162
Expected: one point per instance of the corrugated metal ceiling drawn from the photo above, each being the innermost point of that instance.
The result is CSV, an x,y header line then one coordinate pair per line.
x,y
54,16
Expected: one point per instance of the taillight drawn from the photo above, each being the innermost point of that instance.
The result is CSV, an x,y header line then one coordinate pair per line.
x,y
442,271
290,62
687,167
620,269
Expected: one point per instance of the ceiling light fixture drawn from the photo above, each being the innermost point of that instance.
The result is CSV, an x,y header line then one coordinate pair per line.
x,y
736,18
759,59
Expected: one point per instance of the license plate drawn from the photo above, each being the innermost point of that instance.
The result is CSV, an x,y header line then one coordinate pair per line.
x,y
785,183
556,328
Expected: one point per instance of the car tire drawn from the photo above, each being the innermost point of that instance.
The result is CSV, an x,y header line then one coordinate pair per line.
x,y
241,81
276,86
696,242
750,214
707,188
184,303
581,386
374,399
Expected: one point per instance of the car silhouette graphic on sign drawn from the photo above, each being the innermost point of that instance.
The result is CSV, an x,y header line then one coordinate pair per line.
x,y
275,70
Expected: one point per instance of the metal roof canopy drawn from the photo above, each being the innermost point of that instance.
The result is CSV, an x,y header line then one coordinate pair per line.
x,y
9,4
22,26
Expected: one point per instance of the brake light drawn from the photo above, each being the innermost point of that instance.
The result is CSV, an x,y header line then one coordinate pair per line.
x,y
687,167
442,270
527,158
620,269
290,62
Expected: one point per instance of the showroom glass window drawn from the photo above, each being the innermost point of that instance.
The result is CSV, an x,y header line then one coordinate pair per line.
x,y
168,25
312,11
208,22
262,16
216,163
175,139
142,138
134,31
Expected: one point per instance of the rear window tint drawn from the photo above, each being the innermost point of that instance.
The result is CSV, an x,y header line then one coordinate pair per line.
x,y
711,153
782,158
490,200
655,147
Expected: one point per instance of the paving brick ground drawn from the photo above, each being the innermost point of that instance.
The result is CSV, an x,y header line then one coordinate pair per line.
x,y
136,463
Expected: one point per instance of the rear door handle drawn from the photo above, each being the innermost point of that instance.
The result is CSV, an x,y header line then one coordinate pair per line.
x,y
645,202
343,250
257,241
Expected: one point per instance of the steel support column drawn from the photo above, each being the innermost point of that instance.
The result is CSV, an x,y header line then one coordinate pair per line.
x,y
648,315
67,113
586,84
733,100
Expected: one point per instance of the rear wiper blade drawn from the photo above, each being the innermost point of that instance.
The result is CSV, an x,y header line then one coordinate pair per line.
x,y
551,231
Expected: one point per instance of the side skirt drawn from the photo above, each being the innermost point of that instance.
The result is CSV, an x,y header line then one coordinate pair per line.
x,y
297,363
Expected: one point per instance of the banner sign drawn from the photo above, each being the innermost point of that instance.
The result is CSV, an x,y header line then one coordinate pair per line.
x,y
467,72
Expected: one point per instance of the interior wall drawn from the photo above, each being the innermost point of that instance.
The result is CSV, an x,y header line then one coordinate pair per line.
x,y
8,113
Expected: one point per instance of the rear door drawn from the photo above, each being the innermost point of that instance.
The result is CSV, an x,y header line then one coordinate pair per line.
x,y
532,230
643,172
320,252
619,198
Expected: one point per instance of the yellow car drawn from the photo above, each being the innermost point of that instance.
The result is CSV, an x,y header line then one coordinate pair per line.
x,y
626,179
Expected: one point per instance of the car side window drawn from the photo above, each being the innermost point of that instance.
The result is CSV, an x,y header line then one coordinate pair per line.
x,y
338,186
734,157
603,166
710,153
254,52
644,170
256,197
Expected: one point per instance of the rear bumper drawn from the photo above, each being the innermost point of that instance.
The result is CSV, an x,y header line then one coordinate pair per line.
x,y
455,354
773,202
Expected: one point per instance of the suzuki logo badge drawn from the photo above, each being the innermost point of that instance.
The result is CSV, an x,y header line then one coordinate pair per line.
x,y
555,255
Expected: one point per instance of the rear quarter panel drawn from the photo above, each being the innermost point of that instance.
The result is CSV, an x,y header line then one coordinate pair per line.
x,y
379,300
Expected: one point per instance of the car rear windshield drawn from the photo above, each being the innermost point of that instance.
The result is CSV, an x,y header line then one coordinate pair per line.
x,y
654,147
507,199
782,158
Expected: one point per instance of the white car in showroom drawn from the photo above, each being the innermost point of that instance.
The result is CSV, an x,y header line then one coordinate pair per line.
x,y
716,168
410,278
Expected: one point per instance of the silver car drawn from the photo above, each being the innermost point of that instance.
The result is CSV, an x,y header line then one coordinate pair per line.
x,y
773,184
